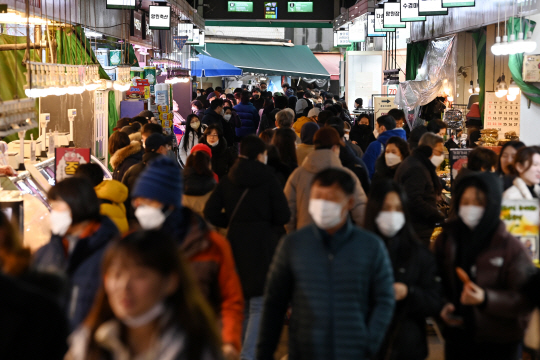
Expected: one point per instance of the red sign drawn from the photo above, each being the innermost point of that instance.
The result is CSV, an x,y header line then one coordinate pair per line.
x,y
67,160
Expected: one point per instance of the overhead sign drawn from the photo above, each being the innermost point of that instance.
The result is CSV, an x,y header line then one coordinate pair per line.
x,y
270,10
160,17
392,16
379,18
341,38
409,11
358,29
196,37
186,29
240,6
300,7
121,4
431,7
371,27
457,3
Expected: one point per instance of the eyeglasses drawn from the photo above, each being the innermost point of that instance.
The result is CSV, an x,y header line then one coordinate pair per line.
x,y
212,135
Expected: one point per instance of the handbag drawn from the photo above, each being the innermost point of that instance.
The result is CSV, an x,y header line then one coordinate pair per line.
x,y
236,208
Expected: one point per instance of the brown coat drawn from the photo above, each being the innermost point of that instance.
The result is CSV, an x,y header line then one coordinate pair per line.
x,y
501,270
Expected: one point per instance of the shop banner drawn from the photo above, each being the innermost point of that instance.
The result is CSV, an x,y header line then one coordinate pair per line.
x,y
196,37
379,18
160,17
431,7
501,114
371,27
357,30
392,16
458,3
341,38
522,219
458,159
185,29
409,11
67,160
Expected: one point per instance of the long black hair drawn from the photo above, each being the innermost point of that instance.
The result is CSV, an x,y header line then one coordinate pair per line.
x,y
189,130
377,196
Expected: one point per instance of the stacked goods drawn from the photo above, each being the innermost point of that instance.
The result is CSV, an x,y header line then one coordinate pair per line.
x,y
490,137
141,89
164,109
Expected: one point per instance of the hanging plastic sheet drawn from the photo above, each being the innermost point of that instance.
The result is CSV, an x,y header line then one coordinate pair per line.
x,y
437,76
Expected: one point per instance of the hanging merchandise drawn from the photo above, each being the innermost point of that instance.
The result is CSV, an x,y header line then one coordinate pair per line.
x,y
392,16
437,76
431,7
409,11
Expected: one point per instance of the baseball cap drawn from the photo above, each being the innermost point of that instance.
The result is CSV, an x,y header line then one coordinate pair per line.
x,y
155,141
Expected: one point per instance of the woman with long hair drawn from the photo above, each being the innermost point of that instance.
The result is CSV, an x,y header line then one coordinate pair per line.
x,y
417,288
526,169
149,306
194,131
386,166
285,142
222,155
506,162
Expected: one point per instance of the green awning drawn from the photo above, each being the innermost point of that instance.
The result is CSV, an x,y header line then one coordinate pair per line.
x,y
297,61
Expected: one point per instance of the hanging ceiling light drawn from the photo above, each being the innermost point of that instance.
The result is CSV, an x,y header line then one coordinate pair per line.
x,y
511,97
513,89
477,88
496,48
530,45
471,87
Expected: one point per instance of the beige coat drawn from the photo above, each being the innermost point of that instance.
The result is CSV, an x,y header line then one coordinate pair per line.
x,y
302,151
298,188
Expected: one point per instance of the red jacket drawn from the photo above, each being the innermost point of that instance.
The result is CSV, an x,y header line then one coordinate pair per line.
x,y
211,258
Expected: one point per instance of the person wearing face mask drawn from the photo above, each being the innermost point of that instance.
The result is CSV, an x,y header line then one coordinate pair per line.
x,y
250,202
197,108
417,285
386,166
486,313
231,123
249,115
223,156
526,168
256,99
386,128
149,307
194,131
317,270
214,114
326,155
417,175
157,199
264,89
79,238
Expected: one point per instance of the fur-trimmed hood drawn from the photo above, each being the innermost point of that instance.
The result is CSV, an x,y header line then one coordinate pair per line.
x,y
122,154
136,136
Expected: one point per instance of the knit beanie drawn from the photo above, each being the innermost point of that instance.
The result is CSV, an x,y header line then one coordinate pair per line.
x,y
160,181
301,105
202,147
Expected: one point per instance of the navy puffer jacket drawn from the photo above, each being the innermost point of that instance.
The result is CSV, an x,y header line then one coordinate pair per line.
x,y
82,268
250,119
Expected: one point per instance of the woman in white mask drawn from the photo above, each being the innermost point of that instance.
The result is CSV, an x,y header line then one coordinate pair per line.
x,y
79,238
417,286
148,308
387,163
486,313
194,131
223,156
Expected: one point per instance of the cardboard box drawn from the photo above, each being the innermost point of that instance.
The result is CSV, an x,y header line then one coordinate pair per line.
x,y
138,92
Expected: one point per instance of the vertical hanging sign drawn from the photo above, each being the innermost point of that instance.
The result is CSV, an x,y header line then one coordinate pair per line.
x,y
379,18
392,16
371,27
186,29
458,3
409,11
431,7
357,30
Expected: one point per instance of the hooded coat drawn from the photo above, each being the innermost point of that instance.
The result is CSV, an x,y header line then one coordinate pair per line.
x,y
223,156
125,158
417,176
82,267
362,135
297,126
249,116
112,195
376,148
494,260
212,117
298,189
258,221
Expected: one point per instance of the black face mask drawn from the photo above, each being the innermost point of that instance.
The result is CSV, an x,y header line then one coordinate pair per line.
x,y
364,128
256,97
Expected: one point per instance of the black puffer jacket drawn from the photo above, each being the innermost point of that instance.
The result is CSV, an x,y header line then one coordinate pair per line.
x,y
223,156
125,158
258,223
362,135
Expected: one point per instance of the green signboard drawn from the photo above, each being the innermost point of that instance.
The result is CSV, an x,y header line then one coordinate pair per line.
x,y
240,6
300,6
270,10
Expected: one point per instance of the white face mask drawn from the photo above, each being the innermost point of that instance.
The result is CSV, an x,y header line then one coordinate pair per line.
x,y
471,215
390,222
195,125
149,217
437,160
214,144
194,110
376,133
265,159
146,318
326,214
60,222
227,117
222,112
392,159
346,136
